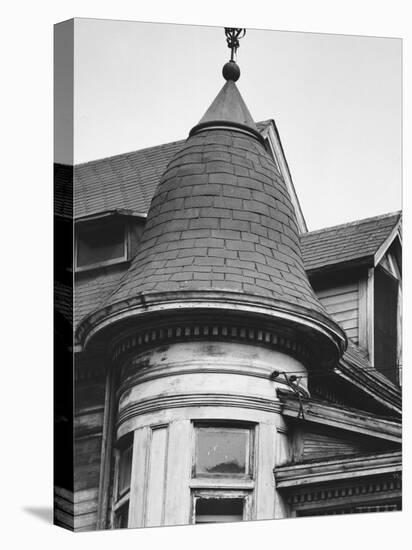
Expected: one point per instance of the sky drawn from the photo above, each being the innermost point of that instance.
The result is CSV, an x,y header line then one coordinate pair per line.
x,y
336,101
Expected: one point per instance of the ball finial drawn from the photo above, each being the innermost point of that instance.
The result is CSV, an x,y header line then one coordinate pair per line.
x,y
231,71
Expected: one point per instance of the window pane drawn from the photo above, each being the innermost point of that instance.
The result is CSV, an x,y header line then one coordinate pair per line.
x,y
100,243
222,451
125,470
216,510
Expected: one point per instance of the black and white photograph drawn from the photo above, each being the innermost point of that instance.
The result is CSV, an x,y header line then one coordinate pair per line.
x,y
228,275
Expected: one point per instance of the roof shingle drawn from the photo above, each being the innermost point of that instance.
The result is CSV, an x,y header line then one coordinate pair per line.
x,y
348,242
125,181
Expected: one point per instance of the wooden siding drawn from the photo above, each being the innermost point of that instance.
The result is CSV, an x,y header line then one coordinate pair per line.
x,y
88,429
86,481
324,443
342,303
63,508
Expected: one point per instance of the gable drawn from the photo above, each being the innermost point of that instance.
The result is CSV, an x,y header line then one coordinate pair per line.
x,y
346,245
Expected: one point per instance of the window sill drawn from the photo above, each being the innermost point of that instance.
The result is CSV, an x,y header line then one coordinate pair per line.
x,y
102,265
228,483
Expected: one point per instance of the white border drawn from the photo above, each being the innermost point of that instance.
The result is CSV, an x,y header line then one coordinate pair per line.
x,y
26,404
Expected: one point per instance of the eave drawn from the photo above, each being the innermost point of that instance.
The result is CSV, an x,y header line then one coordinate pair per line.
x,y
293,475
371,383
354,263
98,215
340,417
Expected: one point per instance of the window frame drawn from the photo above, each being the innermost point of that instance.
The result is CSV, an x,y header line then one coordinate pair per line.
x,y
87,225
250,453
245,495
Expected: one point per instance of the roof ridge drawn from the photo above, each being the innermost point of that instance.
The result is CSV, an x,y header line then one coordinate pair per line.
x,y
354,222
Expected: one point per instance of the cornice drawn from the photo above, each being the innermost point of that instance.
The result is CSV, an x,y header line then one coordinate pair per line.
x,y
378,489
294,475
314,327
191,331
341,417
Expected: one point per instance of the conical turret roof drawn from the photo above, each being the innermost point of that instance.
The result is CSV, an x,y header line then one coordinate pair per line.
x,y
228,108
221,234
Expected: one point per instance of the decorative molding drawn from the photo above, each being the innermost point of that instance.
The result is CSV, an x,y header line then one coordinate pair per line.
x,y
375,490
327,339
379,254
187,331
162,402
227,125
132,379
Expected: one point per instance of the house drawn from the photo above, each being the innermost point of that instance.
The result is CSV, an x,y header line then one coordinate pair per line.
x,y
229,364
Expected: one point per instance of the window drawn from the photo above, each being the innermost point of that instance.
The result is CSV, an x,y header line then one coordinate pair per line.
x,y
222,475
125,470
100,243
223,451
121,492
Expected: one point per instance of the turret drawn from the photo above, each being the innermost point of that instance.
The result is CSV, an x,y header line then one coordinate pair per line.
x,y
214,302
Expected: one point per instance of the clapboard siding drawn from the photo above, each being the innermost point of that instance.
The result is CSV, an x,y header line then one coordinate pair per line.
x,y
63,508
323,443
342,303
86,481
318,445
88,430
75,511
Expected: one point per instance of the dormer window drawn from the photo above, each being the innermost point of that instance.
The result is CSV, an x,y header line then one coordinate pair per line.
x,y
100,243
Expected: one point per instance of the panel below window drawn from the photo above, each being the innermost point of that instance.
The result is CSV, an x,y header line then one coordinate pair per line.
x,y
219,510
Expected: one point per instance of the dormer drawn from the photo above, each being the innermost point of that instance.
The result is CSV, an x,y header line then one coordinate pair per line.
x,y
356,272
106,239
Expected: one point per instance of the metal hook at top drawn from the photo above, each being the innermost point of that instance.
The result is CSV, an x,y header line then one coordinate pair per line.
x,y
232,37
